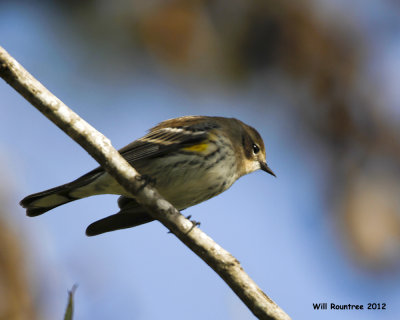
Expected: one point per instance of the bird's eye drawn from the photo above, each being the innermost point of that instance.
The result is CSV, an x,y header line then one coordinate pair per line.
x,y
256,149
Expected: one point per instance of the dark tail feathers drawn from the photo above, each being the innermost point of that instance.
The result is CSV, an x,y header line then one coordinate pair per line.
x,y
120,220
41,202
37,204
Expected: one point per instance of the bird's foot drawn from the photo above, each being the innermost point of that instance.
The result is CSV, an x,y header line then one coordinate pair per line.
x,y
194,224
147,180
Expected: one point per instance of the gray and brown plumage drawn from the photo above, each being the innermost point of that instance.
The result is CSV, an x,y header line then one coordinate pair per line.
x,y
190,159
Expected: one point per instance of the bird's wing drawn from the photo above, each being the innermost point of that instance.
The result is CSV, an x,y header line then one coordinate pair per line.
x,y
161,140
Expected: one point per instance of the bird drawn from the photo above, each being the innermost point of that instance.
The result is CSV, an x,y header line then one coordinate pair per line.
x,y
189,160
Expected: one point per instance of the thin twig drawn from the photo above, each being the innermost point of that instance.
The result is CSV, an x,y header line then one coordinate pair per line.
x,y
69,312
100,148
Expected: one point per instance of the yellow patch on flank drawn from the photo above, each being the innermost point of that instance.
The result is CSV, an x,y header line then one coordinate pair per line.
x,y
201,147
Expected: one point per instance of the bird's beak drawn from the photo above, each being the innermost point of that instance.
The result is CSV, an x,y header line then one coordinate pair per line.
x,y
264,167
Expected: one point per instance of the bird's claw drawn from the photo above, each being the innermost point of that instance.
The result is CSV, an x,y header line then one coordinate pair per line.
x,y
148,180
194,224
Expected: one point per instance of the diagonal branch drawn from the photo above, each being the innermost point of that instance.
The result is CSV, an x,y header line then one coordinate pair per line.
x,y
100,148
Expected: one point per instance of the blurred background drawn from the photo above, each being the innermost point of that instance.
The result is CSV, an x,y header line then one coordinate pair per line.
x,y
317,78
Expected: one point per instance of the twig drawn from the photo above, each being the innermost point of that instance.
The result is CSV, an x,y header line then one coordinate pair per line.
x,y
69,312
100,148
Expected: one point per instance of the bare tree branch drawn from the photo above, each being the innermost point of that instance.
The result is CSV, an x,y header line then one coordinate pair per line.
x,y
100,148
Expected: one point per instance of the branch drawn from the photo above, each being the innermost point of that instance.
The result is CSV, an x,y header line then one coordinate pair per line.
x,y
100,148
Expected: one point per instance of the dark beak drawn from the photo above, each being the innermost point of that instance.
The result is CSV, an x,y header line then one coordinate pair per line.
x,y
264,167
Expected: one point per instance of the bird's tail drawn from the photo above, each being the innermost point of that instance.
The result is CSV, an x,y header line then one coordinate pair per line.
x,y
118,221
131,215
41,202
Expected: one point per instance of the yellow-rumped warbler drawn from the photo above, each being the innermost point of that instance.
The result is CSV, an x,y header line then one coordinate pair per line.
x,y
190,159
